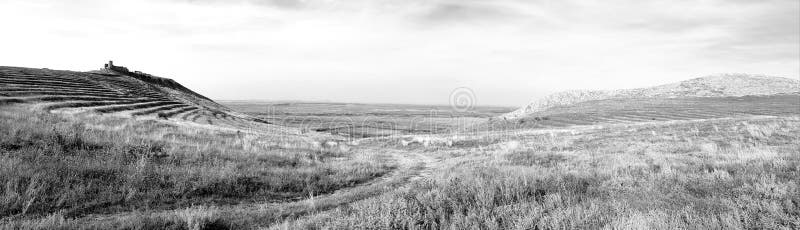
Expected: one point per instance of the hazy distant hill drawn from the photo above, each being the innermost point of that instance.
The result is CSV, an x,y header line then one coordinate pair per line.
x,y
726,85
110,90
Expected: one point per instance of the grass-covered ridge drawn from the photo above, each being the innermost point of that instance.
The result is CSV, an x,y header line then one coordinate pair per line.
x,y
108,91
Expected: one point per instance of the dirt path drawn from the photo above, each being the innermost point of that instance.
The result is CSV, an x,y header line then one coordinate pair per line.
x,y
410,166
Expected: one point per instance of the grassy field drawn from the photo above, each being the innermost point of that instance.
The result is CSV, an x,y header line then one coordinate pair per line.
x,y
75,166
713,174
365,120
104,160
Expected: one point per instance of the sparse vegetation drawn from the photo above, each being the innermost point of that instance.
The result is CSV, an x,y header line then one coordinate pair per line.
x,y
730,174
52,165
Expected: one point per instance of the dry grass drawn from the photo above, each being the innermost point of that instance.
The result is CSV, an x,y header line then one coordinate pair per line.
x,y
54,168
726,174
713,174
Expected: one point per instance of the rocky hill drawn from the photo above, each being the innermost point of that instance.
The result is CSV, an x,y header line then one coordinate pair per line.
x,y
725,85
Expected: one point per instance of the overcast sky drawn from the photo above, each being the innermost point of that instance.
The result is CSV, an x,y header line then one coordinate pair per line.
x,y
406,51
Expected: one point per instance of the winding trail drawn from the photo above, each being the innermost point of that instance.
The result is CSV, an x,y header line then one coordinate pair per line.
x,y
410,166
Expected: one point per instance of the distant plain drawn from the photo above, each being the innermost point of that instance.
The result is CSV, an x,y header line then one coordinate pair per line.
x,y
366,120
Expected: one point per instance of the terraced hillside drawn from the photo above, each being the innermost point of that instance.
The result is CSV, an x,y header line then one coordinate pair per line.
x,y
110,91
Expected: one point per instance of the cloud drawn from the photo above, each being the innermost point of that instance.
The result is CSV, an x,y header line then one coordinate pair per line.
x,y
282,4
287,4
508,51
667,24
465,11
769,32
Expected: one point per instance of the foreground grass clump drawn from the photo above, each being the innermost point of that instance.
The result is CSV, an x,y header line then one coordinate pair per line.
x,y
62,167
728,174
192,218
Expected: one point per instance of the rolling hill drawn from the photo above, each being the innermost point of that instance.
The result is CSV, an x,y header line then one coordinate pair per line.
x,y
111,90
725,85
719,96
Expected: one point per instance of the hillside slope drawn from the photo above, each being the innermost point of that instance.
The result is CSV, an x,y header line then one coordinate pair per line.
x,y
639,110
726,85
110,90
